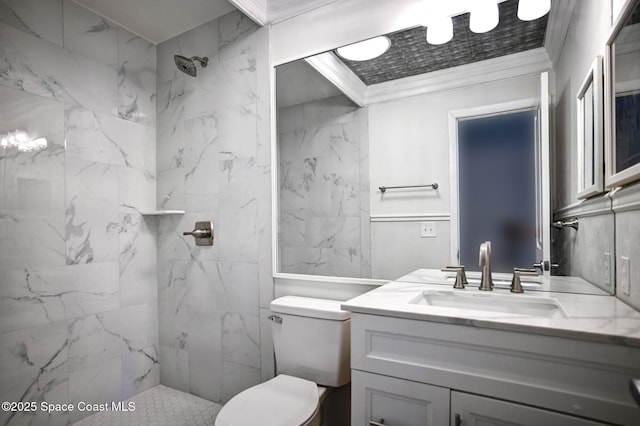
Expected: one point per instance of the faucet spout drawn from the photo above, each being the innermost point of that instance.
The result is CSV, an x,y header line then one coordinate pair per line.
x,y
486,282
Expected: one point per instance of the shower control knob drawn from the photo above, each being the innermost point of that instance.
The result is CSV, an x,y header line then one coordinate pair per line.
x,y
203,233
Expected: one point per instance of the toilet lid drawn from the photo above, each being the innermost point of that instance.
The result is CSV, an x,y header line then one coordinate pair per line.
x,y
281,401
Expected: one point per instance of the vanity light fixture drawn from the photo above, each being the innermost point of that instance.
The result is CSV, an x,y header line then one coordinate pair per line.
x,y
21,140
484,16
365,50
529,10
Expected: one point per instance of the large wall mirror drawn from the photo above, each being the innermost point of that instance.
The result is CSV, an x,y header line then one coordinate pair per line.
x,y
623,97
412,159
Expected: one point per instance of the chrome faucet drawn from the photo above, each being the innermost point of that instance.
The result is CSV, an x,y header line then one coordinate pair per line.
x,y
486,283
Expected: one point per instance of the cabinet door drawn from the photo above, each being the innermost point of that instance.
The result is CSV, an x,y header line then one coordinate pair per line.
x,y
382,400
467,410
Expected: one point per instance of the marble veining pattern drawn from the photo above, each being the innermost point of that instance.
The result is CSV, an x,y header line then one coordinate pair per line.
x,y
323,189
34,368
207,162
33,65
136,78
39,18
78,301
82,316
138,265
90,35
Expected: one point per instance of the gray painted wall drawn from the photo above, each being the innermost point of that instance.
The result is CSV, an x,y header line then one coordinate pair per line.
x,y
582,253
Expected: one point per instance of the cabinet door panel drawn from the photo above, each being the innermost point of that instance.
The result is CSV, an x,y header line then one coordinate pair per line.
x,y
474,410
395,402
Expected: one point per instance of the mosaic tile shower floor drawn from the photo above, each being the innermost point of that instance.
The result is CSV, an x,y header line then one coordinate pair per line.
x,y
159,406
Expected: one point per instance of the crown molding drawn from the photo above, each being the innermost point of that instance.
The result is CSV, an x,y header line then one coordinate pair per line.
x,y
254,9
334,70
558,26
530,62
279,10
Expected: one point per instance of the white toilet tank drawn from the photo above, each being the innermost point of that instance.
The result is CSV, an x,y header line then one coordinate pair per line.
x,y
311,338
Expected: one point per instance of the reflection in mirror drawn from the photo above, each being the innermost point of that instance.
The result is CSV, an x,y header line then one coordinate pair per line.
x,y
32,170
625,91
333,154
323,177
31,180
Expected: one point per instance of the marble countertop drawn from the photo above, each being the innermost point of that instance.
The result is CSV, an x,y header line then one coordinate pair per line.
x,y
586,317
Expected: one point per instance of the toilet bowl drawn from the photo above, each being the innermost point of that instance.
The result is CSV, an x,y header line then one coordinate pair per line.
x,y
312,348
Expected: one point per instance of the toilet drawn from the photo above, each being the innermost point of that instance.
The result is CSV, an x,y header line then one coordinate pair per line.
x,y
311,339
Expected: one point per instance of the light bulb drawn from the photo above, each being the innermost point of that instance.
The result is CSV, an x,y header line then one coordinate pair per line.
x,y
529,10
21,140
33,145
365,50
440,31
21,136
484,16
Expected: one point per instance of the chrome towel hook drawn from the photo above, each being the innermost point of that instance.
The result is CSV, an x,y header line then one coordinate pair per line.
x,y
571,223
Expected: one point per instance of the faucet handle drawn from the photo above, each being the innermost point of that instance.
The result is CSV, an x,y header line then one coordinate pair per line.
x,y
516,282
461,276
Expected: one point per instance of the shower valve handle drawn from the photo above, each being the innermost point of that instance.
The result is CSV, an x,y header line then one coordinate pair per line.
x,y
203,233
198,233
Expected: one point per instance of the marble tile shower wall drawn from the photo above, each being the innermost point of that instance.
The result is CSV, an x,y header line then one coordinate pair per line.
x,y
324,189
78,295
211,163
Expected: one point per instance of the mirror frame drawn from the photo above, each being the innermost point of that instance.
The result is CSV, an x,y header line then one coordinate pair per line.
x,y
593,80
613,178
315,37
275,205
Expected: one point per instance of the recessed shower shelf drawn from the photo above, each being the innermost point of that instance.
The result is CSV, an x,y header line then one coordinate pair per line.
x,y
161,212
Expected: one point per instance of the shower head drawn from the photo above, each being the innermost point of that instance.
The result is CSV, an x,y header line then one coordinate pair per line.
x,y
188,66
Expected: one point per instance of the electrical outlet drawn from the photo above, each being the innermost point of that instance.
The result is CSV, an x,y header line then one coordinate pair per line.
x,y
625,286
607,270
427,229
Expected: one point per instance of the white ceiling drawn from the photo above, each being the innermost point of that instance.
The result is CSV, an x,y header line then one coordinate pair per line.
x,y
158,20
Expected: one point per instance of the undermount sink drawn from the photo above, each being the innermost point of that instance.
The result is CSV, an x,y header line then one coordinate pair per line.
x,y
517,305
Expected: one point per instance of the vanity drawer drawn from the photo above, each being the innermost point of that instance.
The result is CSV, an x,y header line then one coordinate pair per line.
x,y
467,410
396,402
581,378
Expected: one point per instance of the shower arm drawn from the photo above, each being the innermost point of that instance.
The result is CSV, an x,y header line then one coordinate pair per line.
x,y
203,61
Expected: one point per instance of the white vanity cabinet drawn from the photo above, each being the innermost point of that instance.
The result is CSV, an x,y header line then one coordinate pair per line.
x,y
408,372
